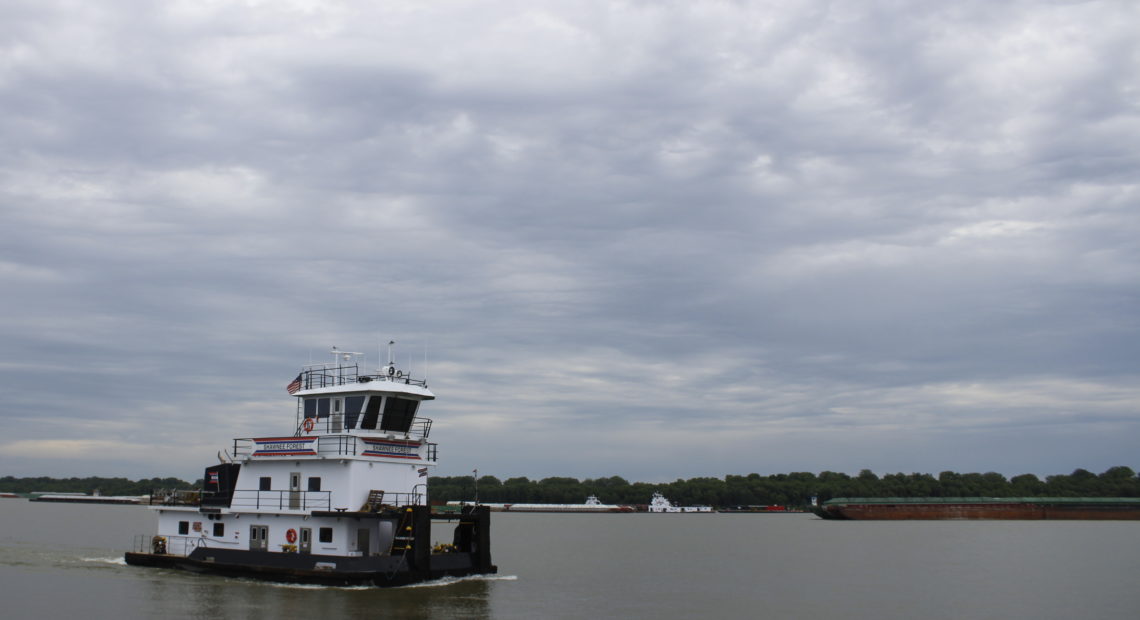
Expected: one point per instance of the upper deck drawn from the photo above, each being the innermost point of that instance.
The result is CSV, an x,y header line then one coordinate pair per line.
x,y
346,377
338,399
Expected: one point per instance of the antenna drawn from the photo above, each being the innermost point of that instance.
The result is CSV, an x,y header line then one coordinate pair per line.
x,y
345,355
338,355
390,360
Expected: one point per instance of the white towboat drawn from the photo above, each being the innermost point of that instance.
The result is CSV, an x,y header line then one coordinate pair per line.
x,y
339,499
660,504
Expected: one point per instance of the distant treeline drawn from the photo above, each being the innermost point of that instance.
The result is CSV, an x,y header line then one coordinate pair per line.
x,y
105,486
794,489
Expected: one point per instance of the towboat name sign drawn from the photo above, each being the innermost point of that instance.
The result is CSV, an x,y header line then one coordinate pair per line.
x,y
285,446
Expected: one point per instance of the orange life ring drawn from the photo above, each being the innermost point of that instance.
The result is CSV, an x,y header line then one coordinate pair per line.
x,y
308,425
291,536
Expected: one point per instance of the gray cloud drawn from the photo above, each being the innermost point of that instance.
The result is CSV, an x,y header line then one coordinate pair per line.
x,y
653,240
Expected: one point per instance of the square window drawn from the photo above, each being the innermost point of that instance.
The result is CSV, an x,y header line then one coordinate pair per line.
x,y
326,535
219,529
183,527
266,483
315,483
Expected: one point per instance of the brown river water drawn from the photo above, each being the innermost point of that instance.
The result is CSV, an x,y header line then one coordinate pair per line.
x,y
65,560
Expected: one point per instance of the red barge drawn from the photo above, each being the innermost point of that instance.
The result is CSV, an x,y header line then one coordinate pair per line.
x,y
1023,508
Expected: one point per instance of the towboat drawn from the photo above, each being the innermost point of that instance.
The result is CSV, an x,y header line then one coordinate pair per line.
x,y
340,498
659,504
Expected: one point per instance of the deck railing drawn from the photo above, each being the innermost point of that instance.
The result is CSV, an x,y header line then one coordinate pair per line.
x,y
326,446
335,423
281,500
331,375
167,545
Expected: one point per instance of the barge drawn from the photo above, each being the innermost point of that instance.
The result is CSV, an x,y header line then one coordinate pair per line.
x,y
592,504
341,498
1011,508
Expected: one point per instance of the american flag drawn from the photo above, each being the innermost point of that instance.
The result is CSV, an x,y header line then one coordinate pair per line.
x,y
294,385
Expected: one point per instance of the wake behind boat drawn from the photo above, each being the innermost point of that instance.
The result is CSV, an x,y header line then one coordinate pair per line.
x,y
341,499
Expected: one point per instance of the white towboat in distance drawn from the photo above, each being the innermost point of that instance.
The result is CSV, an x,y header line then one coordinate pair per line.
x,y
660,504
341,499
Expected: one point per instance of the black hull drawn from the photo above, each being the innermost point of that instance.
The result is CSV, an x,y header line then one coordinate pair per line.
x,y
414,564
381,571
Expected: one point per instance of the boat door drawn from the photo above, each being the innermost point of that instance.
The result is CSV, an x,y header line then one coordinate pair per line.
x,y
295,491
306,540
337,416
259,538
362,541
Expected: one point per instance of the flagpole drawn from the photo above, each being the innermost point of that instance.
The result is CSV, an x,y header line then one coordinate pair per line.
x,y
476,472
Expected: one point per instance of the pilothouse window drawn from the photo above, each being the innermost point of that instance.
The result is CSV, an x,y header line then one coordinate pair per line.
x,y
398,414
371,413
352,407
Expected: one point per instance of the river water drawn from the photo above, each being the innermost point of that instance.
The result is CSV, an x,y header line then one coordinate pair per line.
x,y
65,560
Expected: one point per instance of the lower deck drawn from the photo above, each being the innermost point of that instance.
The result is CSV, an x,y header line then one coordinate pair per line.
x,y
382,571
321,547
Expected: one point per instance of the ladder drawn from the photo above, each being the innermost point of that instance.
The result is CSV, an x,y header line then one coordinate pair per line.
x,y
405,534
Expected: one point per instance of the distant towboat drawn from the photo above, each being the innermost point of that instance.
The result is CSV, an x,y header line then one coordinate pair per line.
x,y
1027,508
660,504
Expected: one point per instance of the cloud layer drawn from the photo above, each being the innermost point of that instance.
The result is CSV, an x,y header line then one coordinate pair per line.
x,y
656,240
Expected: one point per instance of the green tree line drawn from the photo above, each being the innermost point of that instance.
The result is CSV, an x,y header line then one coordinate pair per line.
x,y
792,489
105,486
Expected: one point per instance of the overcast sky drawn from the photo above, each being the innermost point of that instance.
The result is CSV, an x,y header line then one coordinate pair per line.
x,y
657,240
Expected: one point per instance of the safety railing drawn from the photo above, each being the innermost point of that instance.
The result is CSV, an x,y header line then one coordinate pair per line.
x,y
338,423
331,375
167,545
337,445
320,445
281,500
175,497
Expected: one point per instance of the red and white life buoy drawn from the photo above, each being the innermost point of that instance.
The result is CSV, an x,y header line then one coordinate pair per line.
x,y
291,536
308,425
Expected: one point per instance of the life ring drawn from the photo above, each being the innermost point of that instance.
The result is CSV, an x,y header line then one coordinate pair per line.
x,y
391,370
308,425
291,536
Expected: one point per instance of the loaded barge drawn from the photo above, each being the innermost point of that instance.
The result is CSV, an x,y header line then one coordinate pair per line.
x,y
592,504
1012,508
341,499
